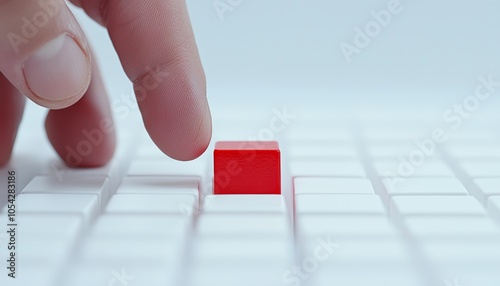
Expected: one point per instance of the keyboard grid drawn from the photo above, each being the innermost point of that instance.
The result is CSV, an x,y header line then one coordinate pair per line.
x,y
359,204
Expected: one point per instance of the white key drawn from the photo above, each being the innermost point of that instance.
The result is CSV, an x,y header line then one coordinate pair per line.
x,y
346,251
241,225
167,167
25,169
312,226
481,169
487,187
347,168
402,133
369,274
494,207
150,204
47,225
339,204
161,226
96,185
238,272
118,274
305,185
435,205
43,238
473,151
244,204
227,249
472,136
401,169
312,132
43,251
61,171
323,150
159,185
85,206
424,186
323,247
113,170
451,227
390,150
485,274
130,249
459,252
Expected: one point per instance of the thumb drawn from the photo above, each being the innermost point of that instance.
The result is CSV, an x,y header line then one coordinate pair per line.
x,y
43,51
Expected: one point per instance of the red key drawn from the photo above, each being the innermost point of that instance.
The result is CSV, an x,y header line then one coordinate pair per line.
x,y
247,167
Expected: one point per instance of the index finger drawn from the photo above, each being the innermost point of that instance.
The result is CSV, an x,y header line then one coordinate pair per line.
x,y
157,49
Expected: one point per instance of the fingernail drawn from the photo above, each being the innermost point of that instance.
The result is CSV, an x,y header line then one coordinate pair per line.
x,y
58,70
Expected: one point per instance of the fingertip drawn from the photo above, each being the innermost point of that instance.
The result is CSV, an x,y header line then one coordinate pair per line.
x,y
183,141
176,113
191,149
83,144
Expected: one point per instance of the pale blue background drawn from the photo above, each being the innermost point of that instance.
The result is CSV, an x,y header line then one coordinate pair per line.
x,y
431,53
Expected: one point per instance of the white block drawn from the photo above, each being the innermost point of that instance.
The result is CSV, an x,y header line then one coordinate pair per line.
x,y
326,185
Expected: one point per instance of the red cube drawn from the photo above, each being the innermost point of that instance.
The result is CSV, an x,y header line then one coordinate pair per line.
x,y
247,167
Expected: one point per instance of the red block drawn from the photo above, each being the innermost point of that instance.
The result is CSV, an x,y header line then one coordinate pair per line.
x,y
247,167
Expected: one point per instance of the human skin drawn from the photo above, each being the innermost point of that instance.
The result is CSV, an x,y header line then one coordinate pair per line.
x,y
45,57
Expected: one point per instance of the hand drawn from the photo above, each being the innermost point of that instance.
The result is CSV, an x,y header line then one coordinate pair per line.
x,y
45,56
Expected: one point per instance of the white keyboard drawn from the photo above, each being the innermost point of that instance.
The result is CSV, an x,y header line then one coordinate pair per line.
x,y
346,216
